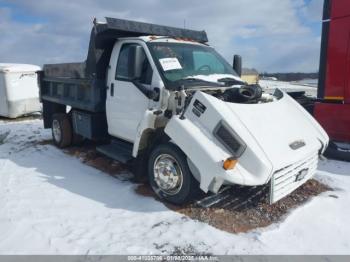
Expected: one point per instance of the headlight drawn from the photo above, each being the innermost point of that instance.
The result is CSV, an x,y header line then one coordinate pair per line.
x,y
229,139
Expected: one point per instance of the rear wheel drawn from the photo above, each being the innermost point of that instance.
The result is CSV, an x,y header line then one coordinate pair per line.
x,y
170,176
61,130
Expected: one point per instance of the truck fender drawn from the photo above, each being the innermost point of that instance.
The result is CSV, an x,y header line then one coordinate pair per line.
x,y
204,156
146,124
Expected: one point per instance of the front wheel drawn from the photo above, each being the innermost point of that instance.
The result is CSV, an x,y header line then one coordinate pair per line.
x,y
170,176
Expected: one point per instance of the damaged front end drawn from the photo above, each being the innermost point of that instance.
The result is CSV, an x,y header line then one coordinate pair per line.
x,y
256,134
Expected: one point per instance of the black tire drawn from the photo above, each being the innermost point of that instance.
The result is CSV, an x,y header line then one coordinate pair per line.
x,y
62,122
337,153
189,187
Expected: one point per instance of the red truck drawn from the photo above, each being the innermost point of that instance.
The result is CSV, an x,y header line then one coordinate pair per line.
x,y
332,109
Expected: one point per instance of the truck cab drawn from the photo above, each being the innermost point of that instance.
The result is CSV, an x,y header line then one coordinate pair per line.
x,y
129,87
164,97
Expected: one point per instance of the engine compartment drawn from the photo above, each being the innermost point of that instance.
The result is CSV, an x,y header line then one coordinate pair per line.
x,y
246,94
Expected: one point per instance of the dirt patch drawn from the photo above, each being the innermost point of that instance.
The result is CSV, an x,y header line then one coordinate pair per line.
x,y
246,208
45,142
145,190
247,215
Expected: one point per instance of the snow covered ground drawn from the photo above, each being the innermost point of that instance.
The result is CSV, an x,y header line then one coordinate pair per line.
x,y
310,90
51,203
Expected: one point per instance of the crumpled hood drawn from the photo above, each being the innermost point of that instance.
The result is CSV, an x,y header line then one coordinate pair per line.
x,y
277,125
267,130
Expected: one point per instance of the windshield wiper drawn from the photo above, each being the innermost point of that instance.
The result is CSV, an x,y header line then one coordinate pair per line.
x,y
192,79
196,82
228,81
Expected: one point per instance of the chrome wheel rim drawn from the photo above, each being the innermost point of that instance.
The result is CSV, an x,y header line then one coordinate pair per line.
x,y
167,174
56,130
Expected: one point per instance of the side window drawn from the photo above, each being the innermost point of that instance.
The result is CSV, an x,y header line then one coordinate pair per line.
x,y
122,65
122,72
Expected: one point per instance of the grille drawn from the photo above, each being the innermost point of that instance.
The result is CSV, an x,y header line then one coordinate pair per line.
x,y
285,180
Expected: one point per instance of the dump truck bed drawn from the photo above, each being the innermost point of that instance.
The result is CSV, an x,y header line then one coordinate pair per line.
x,y
69,85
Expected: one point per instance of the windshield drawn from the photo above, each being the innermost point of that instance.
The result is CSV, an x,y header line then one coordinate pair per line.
x,y
178,61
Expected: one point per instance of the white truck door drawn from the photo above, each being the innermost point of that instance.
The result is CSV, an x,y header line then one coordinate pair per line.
x,y
126,103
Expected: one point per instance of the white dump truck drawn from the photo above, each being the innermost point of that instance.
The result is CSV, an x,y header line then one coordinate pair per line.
x,y
165,100
19,91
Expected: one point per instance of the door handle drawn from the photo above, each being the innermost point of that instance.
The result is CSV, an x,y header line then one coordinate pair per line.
x,y
112,89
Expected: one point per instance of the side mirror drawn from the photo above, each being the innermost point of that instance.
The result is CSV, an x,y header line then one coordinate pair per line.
x,y
155,93
237,64
136,58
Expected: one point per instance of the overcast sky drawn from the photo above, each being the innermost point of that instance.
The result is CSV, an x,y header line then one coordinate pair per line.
x,y
271,35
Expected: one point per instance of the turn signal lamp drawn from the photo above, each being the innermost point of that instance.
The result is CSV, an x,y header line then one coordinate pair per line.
x,y
230,163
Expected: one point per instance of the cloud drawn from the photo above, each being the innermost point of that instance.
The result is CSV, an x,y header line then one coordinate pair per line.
x,y
270,35
314,10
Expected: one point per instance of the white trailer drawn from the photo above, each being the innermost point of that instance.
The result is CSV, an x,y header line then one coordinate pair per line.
x,y
19,91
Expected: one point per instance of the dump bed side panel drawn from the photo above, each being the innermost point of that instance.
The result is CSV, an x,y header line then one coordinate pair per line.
x,y
67,70
84,94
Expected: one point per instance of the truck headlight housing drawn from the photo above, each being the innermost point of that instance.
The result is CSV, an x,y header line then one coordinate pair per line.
x,y
230,139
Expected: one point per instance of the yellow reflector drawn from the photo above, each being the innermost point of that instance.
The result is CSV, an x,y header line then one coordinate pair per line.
x,y
334,97
230,163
